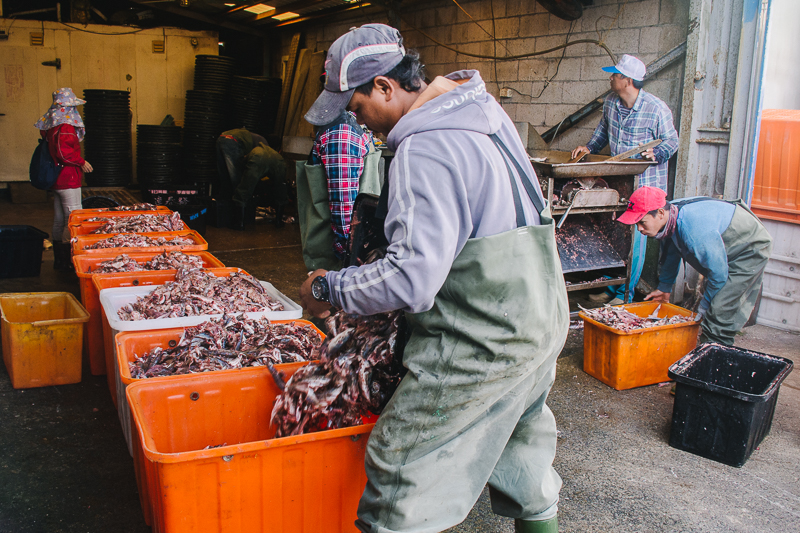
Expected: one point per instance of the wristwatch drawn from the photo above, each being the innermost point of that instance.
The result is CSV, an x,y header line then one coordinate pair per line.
x,y
320,290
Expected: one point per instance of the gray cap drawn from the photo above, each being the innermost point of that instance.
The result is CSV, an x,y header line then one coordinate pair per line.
x,y
354,59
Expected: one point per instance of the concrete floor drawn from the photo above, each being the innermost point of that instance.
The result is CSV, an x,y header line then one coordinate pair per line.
x,y
65,467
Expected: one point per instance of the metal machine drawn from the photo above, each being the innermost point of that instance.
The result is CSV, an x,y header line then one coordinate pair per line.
x,y
585,198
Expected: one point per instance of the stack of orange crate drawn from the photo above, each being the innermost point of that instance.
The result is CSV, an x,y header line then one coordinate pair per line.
x,y
80,232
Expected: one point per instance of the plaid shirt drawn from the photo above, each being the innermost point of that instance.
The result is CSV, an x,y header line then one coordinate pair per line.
x,y
341,150
649,119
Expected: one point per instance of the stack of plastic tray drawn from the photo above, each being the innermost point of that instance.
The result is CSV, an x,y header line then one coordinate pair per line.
x,y
624,360
199,243
90,297
113,299
253,482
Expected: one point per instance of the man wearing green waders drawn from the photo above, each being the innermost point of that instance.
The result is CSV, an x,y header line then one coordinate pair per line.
x,y
472,261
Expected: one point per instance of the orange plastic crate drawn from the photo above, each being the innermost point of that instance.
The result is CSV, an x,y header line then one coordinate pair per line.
x,y
131,279
80,215
42,334
256,482
640,357
776,185
90,298
82,241
137,343
87,228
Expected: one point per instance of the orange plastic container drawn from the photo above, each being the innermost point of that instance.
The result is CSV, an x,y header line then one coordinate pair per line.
x,y
776,187
82,241
131,279
87,228
641,357
90,298
81,215
137,343
255,482
42,335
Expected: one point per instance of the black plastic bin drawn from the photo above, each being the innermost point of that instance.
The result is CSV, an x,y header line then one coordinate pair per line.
x,y
21,251
194,216
724,401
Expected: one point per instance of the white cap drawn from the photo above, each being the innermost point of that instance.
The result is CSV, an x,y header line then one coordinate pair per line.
x,y
629,66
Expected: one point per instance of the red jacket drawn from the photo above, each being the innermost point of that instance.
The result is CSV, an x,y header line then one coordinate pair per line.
x,y
65,149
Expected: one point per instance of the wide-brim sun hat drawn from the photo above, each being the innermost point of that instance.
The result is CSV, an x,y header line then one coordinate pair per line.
x,y
66,98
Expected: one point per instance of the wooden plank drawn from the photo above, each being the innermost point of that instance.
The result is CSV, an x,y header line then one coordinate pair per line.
x,y
300,78
287,84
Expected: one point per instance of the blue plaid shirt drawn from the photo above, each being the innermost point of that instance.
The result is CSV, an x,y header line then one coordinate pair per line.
x,y
649,119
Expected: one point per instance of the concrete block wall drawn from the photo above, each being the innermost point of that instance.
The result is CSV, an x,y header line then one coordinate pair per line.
x,y
544,88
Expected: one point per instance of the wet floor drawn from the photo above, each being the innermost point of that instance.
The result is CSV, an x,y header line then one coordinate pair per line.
x,y
64,465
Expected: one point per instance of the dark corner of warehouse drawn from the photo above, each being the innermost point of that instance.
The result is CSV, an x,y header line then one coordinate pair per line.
x,y
288,266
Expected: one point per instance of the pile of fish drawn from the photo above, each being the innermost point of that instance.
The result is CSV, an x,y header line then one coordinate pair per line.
x,y
140,224
135,240
164,261
135,207
360,368
197,292
229,342
619,318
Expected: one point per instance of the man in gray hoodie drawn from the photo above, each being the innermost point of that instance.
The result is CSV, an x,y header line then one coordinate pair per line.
x,y
472,261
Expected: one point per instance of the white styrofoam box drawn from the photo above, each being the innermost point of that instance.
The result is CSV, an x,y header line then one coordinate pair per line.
x,y
115,298
780,298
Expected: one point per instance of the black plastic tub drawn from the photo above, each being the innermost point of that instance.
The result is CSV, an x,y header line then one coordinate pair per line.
x,y
194,215
21,251
724,401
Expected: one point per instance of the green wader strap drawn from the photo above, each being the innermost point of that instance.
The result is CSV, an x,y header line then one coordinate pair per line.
x,y
314,213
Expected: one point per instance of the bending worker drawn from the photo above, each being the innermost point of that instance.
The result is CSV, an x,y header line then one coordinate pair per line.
x,y
243,160
472,261
722,240
631,117
343,163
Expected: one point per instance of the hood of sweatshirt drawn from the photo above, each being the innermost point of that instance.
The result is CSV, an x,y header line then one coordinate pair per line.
x,y
467,106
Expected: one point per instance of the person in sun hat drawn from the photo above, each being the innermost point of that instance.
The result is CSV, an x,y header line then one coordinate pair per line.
x,y
631,117
722,240
63,128
472,262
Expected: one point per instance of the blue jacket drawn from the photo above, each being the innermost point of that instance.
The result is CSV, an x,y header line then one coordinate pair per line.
x,y
698,240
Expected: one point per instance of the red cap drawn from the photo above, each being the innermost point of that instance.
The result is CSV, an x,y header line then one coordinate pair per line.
x,y
642,201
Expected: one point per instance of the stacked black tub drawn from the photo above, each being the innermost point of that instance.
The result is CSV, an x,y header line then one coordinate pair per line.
x,y
108,145
255,103
158,156
205,117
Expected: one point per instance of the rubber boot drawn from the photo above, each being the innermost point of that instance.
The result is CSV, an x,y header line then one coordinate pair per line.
x,y
279,216
62,256
536,526
238,216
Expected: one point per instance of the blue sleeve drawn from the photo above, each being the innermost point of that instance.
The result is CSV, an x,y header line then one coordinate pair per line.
x,y
667,134
600,136
671,263
707,247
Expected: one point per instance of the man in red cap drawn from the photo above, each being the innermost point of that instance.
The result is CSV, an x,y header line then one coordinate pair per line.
x,y
722,240
631,117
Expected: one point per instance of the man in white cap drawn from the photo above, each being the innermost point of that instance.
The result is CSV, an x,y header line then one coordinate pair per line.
x,y
631,117
473,263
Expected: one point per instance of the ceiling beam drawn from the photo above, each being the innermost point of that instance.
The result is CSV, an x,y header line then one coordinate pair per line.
x,y
293,7
324,13
189,13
